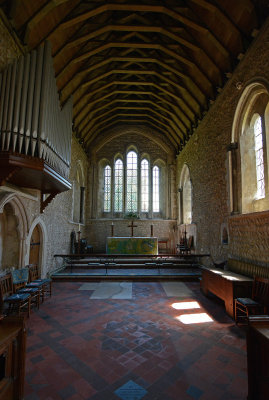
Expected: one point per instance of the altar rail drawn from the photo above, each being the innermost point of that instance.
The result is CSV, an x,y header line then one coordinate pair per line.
x,y
103,260
32,122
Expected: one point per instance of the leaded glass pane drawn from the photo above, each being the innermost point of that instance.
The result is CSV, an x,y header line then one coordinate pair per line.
x,y
259,158
156,190
131,184
107,189
144,186
118,188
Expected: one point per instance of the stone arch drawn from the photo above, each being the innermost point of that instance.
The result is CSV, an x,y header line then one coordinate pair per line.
x,y
151,135
39,223
78,193
13,202
185,196
244,175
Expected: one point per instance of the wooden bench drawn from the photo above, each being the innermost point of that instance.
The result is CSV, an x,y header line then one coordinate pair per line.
x,y
232,283
226,285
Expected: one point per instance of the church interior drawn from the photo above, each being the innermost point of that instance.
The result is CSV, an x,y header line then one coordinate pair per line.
x,y
134,178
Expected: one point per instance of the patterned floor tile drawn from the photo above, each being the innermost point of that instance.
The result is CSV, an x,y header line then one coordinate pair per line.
x,y
87,349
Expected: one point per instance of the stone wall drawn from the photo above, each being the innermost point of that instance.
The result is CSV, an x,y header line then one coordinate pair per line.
x,y
10,48
252,233
206,157
98,230
58,214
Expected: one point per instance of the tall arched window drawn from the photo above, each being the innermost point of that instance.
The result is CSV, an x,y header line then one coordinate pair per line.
x,y
131,183
156,189
258,139
118,186
107,189
185,196
144,185
248,153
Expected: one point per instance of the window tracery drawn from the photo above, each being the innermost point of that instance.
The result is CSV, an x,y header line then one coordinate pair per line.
x,y
131,186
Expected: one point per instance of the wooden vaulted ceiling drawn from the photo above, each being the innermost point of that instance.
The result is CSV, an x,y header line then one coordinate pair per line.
x,y
154,63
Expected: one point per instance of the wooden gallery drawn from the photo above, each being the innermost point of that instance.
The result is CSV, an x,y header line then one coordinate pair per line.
x,y
134,199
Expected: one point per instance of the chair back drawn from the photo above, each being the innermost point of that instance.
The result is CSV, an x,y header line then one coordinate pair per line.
x,y
33,272
260,291
6,288
19,278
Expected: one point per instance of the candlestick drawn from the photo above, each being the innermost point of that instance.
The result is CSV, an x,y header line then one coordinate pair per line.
x,y
151,230
79,242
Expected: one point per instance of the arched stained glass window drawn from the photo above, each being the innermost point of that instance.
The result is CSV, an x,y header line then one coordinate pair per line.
x,y
131,183
107,189
144,185
259,158
156,189
118,186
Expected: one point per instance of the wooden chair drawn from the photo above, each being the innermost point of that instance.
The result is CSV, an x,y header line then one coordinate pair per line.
x,y
36,281
257,304
16,302
19,282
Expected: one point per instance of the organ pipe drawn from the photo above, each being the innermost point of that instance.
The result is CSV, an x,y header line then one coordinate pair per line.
x,y
31,119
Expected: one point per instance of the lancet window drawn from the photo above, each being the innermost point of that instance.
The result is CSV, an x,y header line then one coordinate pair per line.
x,y
131,186
248,153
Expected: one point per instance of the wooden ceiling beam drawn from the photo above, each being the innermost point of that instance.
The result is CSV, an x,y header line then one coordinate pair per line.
x,y
180,102
121,108
126,101
176,15
93,123
84,111
167,129
192,86
166,145
145,29
186,120
197,75
220,15
190,100
33,22
169,141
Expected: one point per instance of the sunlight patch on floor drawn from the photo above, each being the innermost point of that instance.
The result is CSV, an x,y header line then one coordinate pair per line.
x,y
194,318
186,305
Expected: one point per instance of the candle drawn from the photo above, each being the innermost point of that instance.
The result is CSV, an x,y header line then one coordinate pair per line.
x,y
112,223
79,227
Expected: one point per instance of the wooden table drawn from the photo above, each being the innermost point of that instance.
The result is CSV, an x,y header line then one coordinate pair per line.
x,y
12,358
258,358
226,285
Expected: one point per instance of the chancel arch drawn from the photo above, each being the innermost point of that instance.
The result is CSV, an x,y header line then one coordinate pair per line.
x,y
249,151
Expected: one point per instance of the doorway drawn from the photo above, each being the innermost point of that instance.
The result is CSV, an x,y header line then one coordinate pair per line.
x,y
34,256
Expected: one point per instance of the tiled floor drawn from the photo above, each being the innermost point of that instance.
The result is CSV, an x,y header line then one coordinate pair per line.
x,y
82,347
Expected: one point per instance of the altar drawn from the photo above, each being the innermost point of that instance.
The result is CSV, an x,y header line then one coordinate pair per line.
x,y
132,245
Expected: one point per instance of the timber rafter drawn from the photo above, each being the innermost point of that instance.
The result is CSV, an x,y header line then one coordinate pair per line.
x,y
147,62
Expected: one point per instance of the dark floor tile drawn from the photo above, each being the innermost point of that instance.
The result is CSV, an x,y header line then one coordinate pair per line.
x,y
87,349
